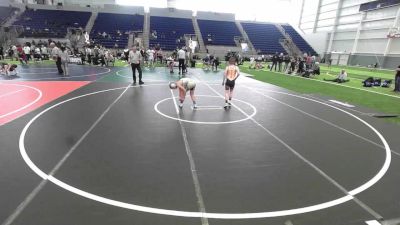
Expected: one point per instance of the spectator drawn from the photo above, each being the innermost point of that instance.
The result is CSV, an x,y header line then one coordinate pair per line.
x,y
280,60
316,69
150,57
397,80
341,78
27,52
55,53
292,67
286,59
252,63
45,53
1,53
37,54
274,60
301,66
64,57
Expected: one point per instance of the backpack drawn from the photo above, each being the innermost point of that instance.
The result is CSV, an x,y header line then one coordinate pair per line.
x,y
386,83
369,82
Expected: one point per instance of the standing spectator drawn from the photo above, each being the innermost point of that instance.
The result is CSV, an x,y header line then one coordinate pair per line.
x,y
15,52
88,53
150,57
181,59
64,57
27,51
134,59
308,62
286,59
274,61
55,54
21,55
397,80
1,53
280,60
45,53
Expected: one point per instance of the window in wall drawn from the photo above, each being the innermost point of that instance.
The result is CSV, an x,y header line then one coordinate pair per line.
x,y
329,7
324,29
349,19
350,11
347,27
382,13
327,15
327,22
307,25
378,24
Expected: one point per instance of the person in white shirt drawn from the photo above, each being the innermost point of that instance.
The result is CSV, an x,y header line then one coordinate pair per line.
x,y
181,59
27,51
15,52
88,53
134,59
341,78
55,54
44,52
150,57
64,57
37,55
252,63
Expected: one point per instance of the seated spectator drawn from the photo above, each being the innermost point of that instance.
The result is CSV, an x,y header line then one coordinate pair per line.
x,y
341,78
37,55
316,69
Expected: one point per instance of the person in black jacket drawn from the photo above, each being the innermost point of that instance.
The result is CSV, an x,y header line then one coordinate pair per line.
x,y
274,61
397,80
1,53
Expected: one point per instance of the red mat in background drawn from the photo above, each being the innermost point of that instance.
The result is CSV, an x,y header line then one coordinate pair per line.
x,y
20,98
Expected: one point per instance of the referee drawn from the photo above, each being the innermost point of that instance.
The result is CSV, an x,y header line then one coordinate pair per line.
x,y
181,59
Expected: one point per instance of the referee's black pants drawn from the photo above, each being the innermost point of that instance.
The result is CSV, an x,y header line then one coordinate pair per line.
x,y
139,69
181,65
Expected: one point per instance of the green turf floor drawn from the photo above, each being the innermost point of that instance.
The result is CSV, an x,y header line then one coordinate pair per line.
x,y
381,99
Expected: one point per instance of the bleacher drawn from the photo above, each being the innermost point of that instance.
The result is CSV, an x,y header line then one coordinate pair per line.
x,y
298,40
220,32
110,23
5,13
169,31
51,23
265,37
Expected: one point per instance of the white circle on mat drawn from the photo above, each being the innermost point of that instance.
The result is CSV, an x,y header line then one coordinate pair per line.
x,y
254,112
171,212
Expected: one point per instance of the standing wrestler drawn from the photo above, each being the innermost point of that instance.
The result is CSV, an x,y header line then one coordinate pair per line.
x,y
231,74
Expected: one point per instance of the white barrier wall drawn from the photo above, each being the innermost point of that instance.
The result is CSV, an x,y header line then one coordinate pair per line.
x,y
165,12
215,16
